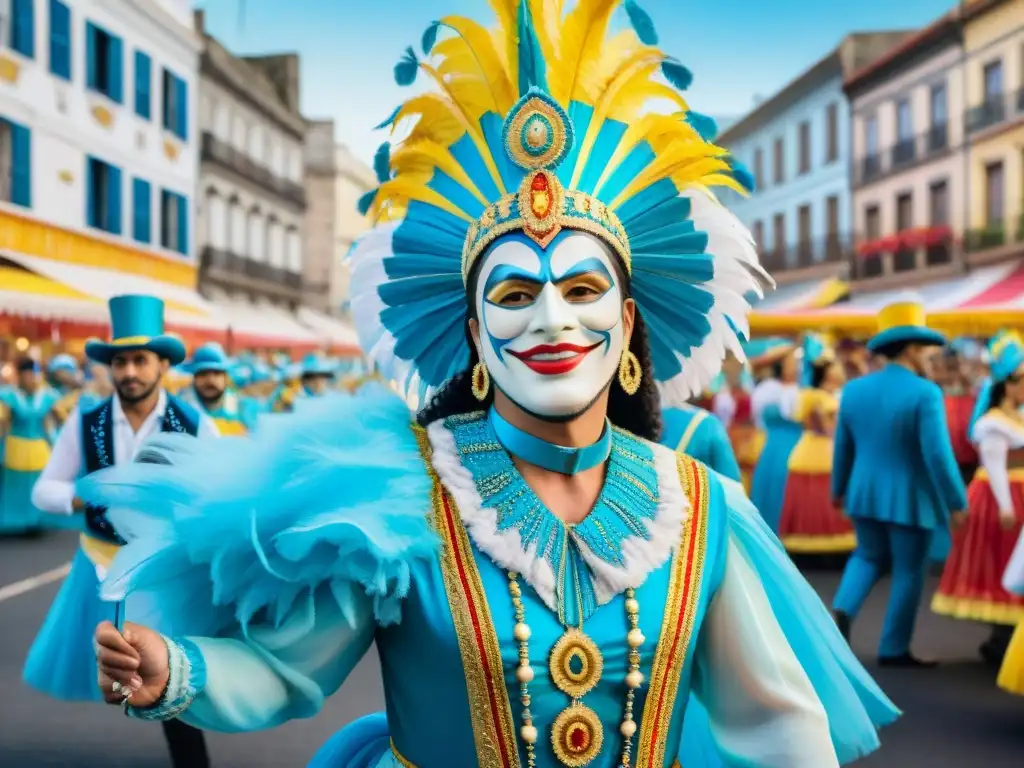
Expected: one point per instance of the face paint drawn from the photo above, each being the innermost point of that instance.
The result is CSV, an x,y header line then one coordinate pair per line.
x,y
551,327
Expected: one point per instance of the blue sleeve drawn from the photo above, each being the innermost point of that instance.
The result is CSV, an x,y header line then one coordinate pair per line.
x,y
842,452
723,460
937,450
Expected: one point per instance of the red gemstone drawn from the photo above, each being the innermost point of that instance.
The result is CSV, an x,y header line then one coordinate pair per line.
x,y
579,738
539,183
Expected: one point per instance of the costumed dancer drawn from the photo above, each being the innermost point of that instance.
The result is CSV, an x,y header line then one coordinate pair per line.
x,y
810,523
61,662
971,585
24,422
894,473
695,432
1011,674
316,375
211,392
533,261
732,405
773,403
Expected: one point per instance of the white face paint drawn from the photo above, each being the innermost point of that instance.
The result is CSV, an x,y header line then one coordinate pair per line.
x,y
551,331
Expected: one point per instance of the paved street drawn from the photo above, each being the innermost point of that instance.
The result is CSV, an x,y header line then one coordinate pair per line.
x,y
955,715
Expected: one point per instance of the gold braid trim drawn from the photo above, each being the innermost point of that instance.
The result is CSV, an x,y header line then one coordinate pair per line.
x,y
680,615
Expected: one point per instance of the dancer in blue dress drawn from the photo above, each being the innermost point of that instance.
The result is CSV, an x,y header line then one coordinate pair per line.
x,y
546,252
695,432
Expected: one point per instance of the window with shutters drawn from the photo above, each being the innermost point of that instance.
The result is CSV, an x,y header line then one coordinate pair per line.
x,y
60,39
104,60
832,133
174,222
805,147
142,205
143,85
779,169
174,98
17,26
103,196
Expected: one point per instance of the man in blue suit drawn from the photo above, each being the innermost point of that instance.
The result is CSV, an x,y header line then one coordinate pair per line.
x,y
895,474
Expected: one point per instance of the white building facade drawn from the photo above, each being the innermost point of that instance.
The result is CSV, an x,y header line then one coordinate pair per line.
x,y
98,130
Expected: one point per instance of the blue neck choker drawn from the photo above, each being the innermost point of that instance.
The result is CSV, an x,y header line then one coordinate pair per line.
x,y
541,453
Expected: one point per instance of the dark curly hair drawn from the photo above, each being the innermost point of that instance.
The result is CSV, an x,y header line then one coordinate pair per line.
x,y
639,413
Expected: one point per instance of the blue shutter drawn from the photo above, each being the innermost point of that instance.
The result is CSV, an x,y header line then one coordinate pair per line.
x,y
142,203
116,69
91,76
143,78
90,200
60,39
114,199
181,89
21,165
182,203
23,28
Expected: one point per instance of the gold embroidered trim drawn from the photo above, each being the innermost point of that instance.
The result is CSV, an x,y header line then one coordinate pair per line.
x,y
691,430
490,710
680,615
398,756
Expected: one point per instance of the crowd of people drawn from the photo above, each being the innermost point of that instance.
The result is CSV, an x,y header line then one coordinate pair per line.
x,y
588,545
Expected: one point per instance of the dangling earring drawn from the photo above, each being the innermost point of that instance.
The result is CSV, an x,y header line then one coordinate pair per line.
x,y
630,372
481,381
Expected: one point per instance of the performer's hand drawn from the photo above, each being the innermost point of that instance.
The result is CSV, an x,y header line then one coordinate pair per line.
x,y
136,660
1007,519
958,518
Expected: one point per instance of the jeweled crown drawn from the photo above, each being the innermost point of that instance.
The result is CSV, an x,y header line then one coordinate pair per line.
x,y
538,135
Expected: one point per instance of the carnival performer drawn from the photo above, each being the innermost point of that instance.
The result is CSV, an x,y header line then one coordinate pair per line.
x,y
1011,674
810,523
773,402
211,392
532,231
695,432
24,409
971,584
316,375
61,662
732,406
894,473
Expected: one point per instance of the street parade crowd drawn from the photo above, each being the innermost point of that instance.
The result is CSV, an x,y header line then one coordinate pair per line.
x,y
572,481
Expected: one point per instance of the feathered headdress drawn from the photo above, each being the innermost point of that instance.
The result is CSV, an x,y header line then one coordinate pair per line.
x,y
545,123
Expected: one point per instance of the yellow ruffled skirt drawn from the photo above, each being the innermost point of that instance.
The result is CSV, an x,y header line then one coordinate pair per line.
x,y
1011,675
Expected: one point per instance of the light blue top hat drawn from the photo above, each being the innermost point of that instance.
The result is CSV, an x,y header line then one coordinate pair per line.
x,y
136,322
62,362
209,358
1007,351
316,365
904,322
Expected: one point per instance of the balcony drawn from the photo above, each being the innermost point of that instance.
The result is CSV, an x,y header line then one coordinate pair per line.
x,y
233,270
990,113
902,155
221,153
906,257
998,240
824,257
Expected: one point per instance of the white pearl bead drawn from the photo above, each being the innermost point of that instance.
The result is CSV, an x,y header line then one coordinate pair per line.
x,y
634,679
521,632
524,673
635,638
628,728
632,605
529,734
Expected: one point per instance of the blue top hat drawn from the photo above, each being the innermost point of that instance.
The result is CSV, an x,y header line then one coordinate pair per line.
x,y
316,365
136,322
209,358
904,323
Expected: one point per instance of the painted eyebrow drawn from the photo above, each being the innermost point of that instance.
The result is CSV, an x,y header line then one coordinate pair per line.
x,y
505,272
585,267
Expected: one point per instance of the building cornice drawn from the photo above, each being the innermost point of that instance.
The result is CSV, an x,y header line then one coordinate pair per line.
x,y
159,23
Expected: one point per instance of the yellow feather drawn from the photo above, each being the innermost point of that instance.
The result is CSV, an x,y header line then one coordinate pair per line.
x,y
718,180
414,189
507,47
489,66
682,167
428,155
650,128
436,118
616,50
580,49
547,19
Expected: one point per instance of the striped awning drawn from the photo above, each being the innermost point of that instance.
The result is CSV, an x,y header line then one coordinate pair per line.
x,y
775,313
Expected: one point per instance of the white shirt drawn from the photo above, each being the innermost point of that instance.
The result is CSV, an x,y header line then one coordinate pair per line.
x,y
54,491
724,407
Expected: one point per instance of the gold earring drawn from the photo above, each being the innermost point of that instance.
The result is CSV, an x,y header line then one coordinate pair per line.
x,y
630,372
481,381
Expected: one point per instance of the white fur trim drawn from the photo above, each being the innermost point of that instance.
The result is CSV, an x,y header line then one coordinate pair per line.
x,y
642,556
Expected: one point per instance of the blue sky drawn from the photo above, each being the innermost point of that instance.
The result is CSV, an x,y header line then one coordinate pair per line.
x,y
737,49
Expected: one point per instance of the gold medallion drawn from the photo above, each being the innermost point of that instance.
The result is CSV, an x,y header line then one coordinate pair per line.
x,y
575,664
577,735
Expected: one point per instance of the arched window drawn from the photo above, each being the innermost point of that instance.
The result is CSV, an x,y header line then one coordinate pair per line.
x,y
216,221
237,228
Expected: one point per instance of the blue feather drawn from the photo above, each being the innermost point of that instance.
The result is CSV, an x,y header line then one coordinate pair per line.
x,y
677,74
532,68
382,162
407,67
742,175
365,201
430,37
702,124
642,23
390,119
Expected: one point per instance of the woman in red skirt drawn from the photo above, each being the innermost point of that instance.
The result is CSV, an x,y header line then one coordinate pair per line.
x,y
810,523
732,405
971,587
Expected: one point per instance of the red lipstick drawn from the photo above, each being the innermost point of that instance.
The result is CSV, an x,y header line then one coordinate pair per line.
x,y
553,359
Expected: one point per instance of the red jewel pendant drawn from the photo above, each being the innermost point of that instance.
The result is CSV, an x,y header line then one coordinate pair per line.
x,y
540,196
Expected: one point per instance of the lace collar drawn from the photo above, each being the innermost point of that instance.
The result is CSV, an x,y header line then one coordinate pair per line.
x,y
632,529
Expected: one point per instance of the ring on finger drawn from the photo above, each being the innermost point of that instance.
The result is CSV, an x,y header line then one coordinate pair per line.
x,y
116,686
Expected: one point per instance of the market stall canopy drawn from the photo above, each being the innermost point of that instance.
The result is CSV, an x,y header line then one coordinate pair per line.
x,y
775,313
978,303
340,336
262,325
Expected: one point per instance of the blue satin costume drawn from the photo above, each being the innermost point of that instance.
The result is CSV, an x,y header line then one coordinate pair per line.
x,y
370,544
894,466
25,452
782,433
697,433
